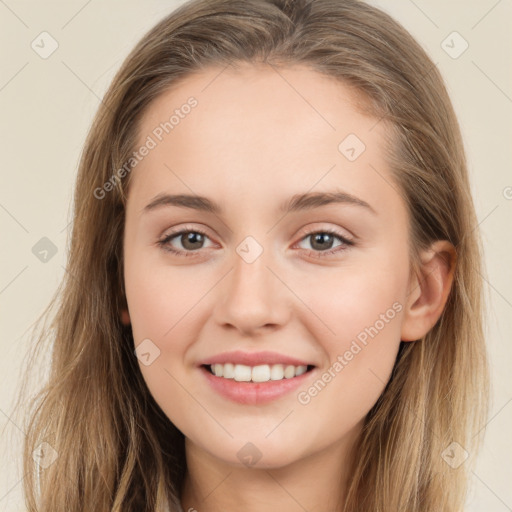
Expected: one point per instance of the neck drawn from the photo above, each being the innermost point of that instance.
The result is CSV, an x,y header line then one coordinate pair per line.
x,y
316,483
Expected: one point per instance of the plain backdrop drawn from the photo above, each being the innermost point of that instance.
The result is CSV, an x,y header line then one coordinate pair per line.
x,y
47,105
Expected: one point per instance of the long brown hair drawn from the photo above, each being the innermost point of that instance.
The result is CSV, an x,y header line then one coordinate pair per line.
x,y
115,448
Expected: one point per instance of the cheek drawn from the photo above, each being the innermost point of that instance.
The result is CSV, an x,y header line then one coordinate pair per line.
x,y
347,300
167,307
361,312
162,303
160,299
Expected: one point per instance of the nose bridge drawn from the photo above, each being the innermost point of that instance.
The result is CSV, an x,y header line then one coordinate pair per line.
x,y
251,279
253,296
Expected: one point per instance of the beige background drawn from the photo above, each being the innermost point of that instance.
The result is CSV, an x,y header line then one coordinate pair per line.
x,y
47,106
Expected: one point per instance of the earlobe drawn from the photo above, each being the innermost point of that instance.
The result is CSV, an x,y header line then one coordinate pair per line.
x,y
125,317
429,290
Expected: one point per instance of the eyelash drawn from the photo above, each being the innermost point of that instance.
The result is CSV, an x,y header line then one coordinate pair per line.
x,y
164,243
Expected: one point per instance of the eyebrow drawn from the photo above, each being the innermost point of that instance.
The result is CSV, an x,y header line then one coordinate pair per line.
x,y
298,202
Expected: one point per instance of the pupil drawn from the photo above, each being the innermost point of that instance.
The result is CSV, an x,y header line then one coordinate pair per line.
x,y
323,239
191,238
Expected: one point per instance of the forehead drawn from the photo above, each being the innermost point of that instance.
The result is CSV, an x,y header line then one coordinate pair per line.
x,y
256,130
260,96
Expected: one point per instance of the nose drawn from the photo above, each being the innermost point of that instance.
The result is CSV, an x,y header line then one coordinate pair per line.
x,y
253,296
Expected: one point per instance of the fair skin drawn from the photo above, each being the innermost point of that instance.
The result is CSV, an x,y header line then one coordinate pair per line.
x,y
250,144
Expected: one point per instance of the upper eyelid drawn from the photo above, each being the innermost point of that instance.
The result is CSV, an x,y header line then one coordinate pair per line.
x,y
184,229
351,236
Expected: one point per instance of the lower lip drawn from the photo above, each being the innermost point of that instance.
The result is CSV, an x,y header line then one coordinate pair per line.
x,y
254,393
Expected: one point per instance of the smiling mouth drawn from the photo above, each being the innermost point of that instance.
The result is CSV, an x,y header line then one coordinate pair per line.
x,y
258,373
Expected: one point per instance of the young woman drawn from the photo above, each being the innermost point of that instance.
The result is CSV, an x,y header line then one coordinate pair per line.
x,y
273,299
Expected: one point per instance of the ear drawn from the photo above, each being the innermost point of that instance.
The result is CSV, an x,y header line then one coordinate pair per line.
x,y
125,317
429,289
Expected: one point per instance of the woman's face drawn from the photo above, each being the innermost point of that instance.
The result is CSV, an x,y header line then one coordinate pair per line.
x,y
296,256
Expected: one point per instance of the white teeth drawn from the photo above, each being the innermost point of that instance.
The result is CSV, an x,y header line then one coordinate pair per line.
x,y
242,373
289,372
276,372
300,370
260,373
228,371
218,369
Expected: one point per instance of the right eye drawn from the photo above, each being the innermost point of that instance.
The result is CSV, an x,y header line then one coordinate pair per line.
x,y
189,239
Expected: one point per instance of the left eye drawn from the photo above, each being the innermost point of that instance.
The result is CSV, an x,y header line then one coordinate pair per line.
x,y
322,241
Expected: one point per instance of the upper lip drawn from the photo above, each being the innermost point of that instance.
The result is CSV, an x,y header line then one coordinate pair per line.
x,y
253,359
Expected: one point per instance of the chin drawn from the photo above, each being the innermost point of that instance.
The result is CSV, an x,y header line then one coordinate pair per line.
x,y
256,454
